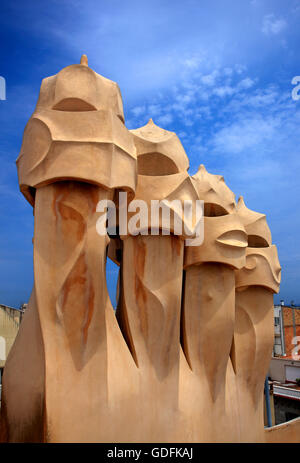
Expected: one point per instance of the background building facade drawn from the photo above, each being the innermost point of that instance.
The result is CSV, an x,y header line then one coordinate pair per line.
x,y
10,319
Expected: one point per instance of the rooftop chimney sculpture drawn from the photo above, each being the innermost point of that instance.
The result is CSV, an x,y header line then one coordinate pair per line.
x,y
185,357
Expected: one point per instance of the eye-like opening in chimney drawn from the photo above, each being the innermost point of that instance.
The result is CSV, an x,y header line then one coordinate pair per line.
x,y
214,210
73,105
255,241
156,164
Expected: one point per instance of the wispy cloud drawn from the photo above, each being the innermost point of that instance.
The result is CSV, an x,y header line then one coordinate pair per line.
x,y
246,133
244,129
272,25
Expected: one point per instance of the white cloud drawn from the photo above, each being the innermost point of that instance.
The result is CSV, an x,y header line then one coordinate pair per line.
x,y
192,62
244,134
240,68
209,79
138,110
166,119
194,98
228,71
182,134
223,91
272,25
154,109
263,98
246,83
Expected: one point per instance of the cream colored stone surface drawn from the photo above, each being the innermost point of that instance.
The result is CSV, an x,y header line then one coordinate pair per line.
x,y
77,132
284,433
254,326
185,356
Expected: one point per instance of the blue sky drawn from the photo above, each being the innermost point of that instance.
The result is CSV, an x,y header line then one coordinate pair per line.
x,y
217,72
